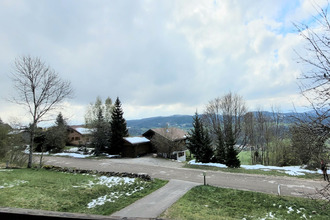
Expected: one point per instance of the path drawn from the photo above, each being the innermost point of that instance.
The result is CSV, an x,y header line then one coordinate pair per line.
x,y
156,203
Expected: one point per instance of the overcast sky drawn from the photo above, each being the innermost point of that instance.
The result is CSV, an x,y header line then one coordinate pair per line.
x,y
159,57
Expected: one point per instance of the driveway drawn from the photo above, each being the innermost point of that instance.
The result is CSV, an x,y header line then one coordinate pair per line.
x,y
167,169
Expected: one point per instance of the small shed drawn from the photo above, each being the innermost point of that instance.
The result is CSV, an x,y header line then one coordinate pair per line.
x,y
136,146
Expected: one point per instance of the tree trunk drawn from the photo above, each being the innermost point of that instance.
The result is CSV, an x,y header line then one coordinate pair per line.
x,y
31,150
41,156
31,144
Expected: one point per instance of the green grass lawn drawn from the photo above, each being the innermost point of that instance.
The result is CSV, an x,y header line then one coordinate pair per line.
x,y
207,202
245,157
57,191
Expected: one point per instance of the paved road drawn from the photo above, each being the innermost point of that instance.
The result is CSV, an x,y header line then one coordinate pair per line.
x,y
164,169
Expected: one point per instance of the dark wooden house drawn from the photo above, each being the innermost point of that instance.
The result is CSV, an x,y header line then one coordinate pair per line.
x,y
168,142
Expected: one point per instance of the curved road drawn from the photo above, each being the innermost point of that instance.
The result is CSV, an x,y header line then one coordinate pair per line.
x,y
164,169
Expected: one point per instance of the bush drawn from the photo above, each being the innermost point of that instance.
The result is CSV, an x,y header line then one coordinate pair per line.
x,y
16,157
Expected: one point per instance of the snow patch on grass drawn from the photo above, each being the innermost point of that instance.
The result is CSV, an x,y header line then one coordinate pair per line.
x,y
270,215
193,162
290,170
112,197
290,209
13,184
111,181
127,189
76,155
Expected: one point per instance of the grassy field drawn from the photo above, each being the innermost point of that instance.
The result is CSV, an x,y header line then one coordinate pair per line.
x,y
245,157
207,202
57,191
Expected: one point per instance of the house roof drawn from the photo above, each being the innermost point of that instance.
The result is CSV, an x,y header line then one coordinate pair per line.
x,y
82,130
173,134
136,140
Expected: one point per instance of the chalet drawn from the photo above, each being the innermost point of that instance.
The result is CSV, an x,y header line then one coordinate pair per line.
x,y
168,142
79,135
136,146
23,134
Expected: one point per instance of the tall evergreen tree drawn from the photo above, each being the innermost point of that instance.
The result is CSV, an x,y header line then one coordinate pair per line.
x,y
60,121
232,160
100,134
55,137
199,141
118,128
220,151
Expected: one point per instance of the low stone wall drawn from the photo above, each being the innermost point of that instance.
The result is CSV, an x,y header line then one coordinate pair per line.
x,y
142,176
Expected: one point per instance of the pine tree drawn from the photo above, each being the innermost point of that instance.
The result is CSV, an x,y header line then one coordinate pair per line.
x,y
232,160
55,137
118,129
194,137
199,141
60,122
220,152
206,152
61,130
100,134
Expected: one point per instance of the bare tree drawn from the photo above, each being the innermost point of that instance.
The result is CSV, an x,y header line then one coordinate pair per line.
x,y
39,88
315,79
226,113
91,115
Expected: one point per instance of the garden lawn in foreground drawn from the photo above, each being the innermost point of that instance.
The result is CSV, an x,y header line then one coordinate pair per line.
x,y
66,192
208,202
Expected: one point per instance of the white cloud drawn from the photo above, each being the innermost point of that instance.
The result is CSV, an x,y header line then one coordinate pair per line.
x,y
159,57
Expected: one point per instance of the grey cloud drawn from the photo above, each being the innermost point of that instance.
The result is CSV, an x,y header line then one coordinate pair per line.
x,y
149,53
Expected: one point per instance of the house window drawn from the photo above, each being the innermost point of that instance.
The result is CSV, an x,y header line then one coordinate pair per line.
x,y
77,138
180,154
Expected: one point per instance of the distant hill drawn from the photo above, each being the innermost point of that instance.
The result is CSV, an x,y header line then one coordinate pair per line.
x,y
138,127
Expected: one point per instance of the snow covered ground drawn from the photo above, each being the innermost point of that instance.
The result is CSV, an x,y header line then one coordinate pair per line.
x,y
290,170
78,155
72,155
128,184
72,152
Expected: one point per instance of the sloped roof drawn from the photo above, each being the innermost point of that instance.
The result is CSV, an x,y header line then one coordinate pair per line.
x,y
136,140
173,134
82,130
